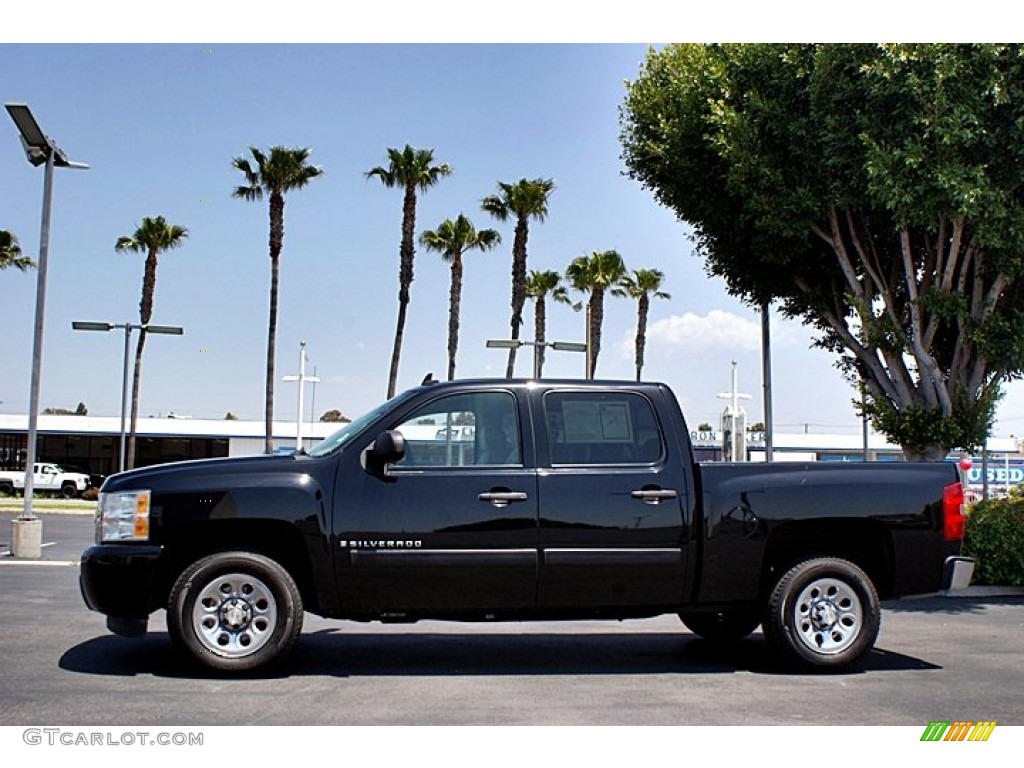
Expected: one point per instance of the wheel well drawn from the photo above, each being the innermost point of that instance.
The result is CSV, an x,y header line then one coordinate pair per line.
x,y
866,543
276,539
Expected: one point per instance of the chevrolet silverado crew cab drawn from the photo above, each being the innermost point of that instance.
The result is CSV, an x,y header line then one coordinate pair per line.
x,y
567,500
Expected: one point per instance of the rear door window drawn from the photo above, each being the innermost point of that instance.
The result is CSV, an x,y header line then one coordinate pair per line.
x,y
601,429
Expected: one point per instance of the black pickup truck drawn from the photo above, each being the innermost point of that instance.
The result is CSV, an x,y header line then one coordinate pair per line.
x,y
498,500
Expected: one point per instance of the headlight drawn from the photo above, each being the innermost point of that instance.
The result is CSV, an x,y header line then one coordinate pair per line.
x,y
123,516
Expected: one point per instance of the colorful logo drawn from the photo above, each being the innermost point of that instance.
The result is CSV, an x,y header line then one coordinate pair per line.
x,y
958,730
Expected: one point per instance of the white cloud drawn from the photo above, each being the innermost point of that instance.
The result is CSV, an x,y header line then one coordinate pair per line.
x,y
717,329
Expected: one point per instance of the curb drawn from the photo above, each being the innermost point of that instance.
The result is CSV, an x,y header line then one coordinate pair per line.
x,y
44,512
985,591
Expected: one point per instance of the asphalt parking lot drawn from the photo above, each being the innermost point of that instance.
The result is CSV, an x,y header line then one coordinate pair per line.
x,y
937,658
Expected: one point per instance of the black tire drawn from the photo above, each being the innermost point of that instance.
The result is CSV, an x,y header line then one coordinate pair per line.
x,y
235,612
69,491
823,615
722,627
6,490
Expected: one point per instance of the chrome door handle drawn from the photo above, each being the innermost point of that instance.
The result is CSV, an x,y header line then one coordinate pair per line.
x,y
653,496
502,498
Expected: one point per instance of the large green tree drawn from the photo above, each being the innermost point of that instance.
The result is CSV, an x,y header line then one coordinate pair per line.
x,y
152,237
874,191
412,170
596,275
273,174
10,253
642,285
539,286
524,200
452,239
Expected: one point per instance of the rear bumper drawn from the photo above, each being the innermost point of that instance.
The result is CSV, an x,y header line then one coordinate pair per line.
x,y
120,579
957,572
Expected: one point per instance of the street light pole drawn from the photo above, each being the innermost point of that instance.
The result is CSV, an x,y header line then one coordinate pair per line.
x,y
766,376
124,396
172,330
27,530
37,346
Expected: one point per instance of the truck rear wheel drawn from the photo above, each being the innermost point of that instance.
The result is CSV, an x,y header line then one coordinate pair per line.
x,y
6,489
722,627
235,611
823,614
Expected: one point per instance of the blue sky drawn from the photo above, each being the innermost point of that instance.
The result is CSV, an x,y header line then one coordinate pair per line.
x,y
159,125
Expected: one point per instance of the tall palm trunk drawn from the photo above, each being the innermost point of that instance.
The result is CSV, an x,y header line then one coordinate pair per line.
x,y
129,461
454,302
405,276
539,331
643,305
276,242
518,287
596,319
145,315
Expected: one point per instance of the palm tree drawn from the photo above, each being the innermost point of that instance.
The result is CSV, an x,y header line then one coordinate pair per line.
x,y
540,285
642,285
595,275
283,170
10,253
412,170
452,239
153,237
524,200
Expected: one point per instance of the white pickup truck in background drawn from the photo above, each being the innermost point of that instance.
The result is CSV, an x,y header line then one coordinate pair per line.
x,y
47,478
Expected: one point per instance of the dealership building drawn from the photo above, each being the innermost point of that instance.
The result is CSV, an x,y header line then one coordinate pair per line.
x,y
92,444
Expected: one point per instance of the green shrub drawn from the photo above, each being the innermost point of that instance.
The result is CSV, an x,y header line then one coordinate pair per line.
x,y
994,537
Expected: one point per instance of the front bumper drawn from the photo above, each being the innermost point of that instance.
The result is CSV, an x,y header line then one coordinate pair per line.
x,y
957,572
120,579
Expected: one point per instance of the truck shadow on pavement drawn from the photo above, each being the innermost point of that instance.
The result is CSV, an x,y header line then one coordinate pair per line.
x,y
948,605
340,653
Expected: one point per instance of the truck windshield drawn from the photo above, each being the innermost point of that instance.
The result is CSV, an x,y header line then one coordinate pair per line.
x,y
341,438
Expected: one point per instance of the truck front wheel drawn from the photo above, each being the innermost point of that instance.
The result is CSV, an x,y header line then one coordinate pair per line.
x,y
69,491
235,611
823,614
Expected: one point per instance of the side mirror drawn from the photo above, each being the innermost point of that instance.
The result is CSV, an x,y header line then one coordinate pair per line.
x,y
388,448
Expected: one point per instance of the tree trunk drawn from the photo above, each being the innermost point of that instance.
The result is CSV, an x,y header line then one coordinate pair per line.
x,y
925,453
539,331
518,287
145,315
276,242
129,460
641,332
453,313
596,319
406,254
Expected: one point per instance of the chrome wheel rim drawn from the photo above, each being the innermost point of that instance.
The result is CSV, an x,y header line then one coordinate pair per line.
x,y
234,615
828,616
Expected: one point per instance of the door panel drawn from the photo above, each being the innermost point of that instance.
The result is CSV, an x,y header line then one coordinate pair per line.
x,y
453,526
611,500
